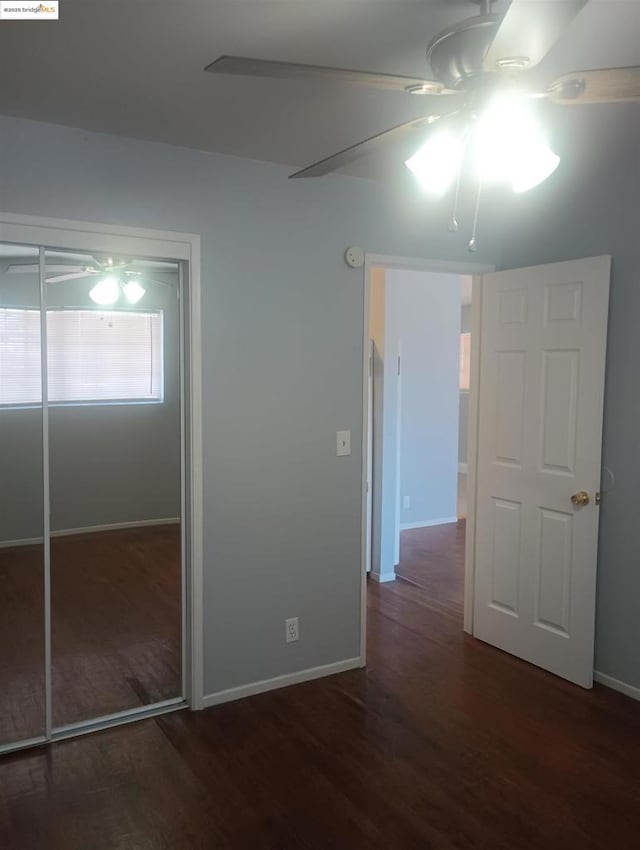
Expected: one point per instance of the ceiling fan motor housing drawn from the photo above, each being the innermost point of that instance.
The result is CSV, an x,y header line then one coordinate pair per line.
x,y
456,54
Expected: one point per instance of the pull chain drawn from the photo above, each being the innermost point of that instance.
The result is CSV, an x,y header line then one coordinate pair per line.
x,y
472,242
453,221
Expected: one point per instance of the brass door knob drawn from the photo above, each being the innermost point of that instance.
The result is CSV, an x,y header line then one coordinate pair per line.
x,y
580,498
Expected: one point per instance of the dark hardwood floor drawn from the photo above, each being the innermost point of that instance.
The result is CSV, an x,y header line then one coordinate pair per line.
x,y
433,559
442,743
115,614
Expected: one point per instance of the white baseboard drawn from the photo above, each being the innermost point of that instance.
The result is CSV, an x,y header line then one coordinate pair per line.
x,y
116,526
462,468
616,685
24,541
263,685
405,526
90,529
382,578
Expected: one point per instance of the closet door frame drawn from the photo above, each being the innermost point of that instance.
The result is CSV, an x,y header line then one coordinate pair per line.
x,y
183,248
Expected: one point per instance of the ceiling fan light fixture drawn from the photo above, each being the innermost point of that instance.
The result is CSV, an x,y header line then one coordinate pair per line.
x,y
533,167
513,63
424,88
438,162
498,132
106,291
133,291
509,145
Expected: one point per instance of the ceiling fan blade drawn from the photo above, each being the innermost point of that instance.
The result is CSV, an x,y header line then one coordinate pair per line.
x,y
245,67
607,85
337,160
72,276
528,31
158,282
23,268
34,268
142,265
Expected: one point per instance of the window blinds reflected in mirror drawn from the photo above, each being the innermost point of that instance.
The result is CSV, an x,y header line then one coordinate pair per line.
x,y
92,355
99,355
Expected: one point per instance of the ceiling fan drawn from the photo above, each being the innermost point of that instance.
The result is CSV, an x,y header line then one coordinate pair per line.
x,y
472,62
114,275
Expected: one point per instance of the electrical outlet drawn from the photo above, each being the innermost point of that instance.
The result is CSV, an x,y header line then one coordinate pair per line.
x,y
291,629
406,502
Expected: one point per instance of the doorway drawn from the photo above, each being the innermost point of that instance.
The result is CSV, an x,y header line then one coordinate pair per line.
x,y
419,324
99,431
537,370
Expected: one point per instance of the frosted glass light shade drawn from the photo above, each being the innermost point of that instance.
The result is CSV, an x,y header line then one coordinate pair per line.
x,y
133,292
437,163
534,166
106,291
509,146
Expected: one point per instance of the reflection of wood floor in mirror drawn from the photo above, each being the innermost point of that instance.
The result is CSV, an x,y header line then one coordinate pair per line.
x,y
21,643
115,626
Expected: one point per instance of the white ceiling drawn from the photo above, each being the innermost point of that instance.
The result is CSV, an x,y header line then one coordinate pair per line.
x,y
18,251
134,68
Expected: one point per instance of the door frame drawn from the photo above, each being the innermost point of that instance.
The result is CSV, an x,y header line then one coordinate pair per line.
x,y
91,237
369,473
475,270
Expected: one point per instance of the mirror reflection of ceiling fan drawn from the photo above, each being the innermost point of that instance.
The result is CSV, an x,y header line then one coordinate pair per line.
x,y
114,276
481,78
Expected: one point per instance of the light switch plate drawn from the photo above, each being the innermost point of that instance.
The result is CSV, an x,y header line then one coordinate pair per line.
x,y
343,443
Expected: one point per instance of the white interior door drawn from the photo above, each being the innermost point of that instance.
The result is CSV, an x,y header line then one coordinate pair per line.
x,y
542,363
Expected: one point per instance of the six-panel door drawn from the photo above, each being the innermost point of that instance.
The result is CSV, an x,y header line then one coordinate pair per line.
x,y
542,359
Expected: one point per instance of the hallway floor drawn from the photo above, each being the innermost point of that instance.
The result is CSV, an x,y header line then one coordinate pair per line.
x,y
432,559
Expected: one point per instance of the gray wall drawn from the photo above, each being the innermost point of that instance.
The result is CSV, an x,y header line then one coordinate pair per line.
x,y
423,314
108,463
592,207
463,421
282,356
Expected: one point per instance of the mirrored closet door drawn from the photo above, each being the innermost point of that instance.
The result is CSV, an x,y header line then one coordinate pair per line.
x,y
114,470
22,609
91,606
